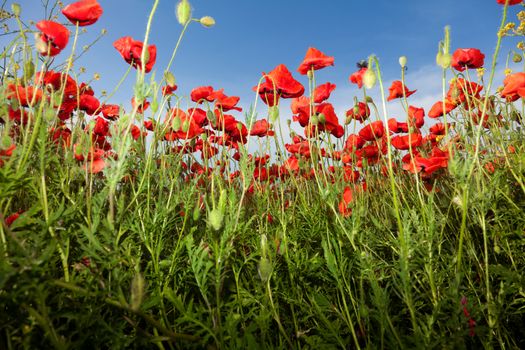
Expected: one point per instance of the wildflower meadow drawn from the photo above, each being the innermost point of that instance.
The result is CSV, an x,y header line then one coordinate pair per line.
x,y
201,221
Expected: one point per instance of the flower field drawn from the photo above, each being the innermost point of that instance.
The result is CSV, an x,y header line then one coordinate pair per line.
x,y
215,226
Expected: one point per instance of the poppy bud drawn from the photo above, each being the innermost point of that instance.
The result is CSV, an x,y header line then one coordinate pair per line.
x,y
239,126
369,99
211,117
207,21
5,142
175,125
443,60
196,213
204,137
137,291
16,9
29,70
264,269
185,126
40,44
274,114
369,78
314,120
516,58
215,218
403,61
322,118
183,12
170,78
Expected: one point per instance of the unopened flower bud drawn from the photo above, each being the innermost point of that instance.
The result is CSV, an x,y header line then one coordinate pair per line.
x,y
274,114
314,120
186,126
170,78
16,9
183,12
443,60
516,58
207,21
175,124
265,269
369,78
322,118
215,218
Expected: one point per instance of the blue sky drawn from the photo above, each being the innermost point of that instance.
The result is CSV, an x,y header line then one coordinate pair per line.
x,y
255,36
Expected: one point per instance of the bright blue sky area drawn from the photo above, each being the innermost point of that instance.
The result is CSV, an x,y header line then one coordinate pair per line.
x,y
255,36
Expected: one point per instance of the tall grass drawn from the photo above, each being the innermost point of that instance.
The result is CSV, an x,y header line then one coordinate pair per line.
x,y
153,252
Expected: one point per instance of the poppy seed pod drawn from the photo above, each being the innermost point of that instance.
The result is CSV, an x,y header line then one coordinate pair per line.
x,y
183,12
403,61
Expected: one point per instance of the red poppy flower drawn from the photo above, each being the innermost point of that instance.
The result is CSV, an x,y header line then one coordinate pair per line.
x,y
6,153
467,58
372,131
437,160
437,109
224,102
512,85
202,93
140,107
25,95
12,218
357,77
168,90
345,202
101,127
437,129
406,142
416,116
110,112
89,104
322,92
396,90
54,37
397,127
58,81
461,91
281,83
61,135
135,132
149,125
290,165
19,116
354,142
261,128
187,128
199,116
510,2
330,122
359,112
315,60
131,51
83,12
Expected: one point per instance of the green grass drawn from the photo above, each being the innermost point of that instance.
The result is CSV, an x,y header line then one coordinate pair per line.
x,y
142,255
